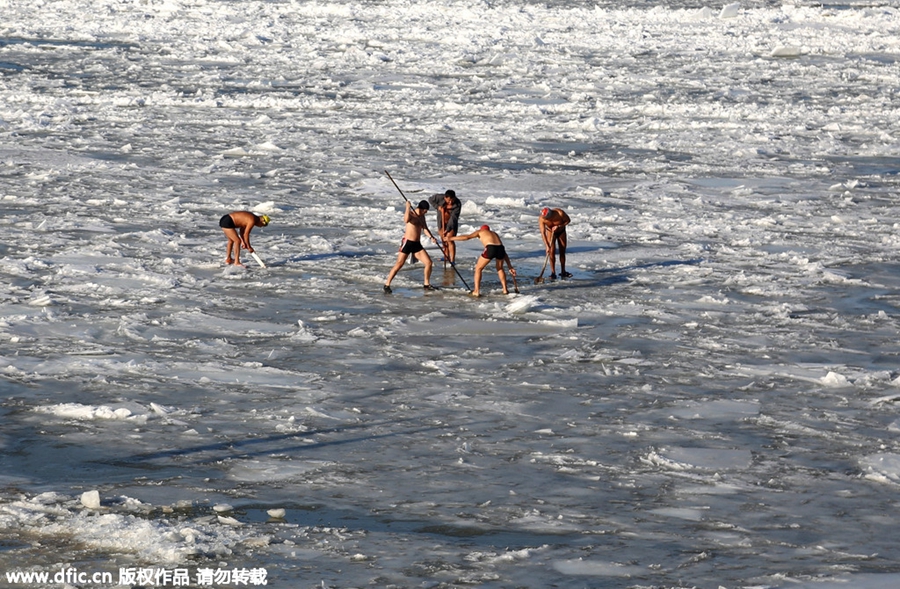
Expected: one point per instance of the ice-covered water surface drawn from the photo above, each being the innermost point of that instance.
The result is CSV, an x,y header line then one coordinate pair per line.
x,y
710,401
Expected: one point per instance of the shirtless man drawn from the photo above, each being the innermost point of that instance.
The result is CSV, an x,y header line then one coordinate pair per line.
x,y
237,227
411,244
448,208
493,250
553,231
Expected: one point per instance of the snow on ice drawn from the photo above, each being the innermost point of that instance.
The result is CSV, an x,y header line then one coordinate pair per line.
x,y
710,401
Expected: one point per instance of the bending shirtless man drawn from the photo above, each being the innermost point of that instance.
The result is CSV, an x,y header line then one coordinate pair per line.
x,y
237,227
411,244
493,250
553,231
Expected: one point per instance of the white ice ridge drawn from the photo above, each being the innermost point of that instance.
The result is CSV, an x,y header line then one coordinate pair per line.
x,y
121,525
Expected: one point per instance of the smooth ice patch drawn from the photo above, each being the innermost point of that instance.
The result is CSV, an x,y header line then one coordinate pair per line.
x,y
597,568
854,581
684,513
496,328
260,471
716,409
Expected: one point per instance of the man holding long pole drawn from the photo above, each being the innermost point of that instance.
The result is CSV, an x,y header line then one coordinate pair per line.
x,y
426,230
412,244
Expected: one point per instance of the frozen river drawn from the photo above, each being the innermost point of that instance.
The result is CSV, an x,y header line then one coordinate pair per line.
x,y
710,401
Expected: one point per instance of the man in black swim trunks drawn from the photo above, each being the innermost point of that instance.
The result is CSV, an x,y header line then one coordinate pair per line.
x,y
412,245
237,226
493,250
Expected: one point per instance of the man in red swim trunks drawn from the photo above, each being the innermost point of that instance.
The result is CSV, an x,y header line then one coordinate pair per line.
x,y
412,245
553,224
237,226
493,250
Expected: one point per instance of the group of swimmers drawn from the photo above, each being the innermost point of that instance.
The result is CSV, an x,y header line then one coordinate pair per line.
x,y
552,224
